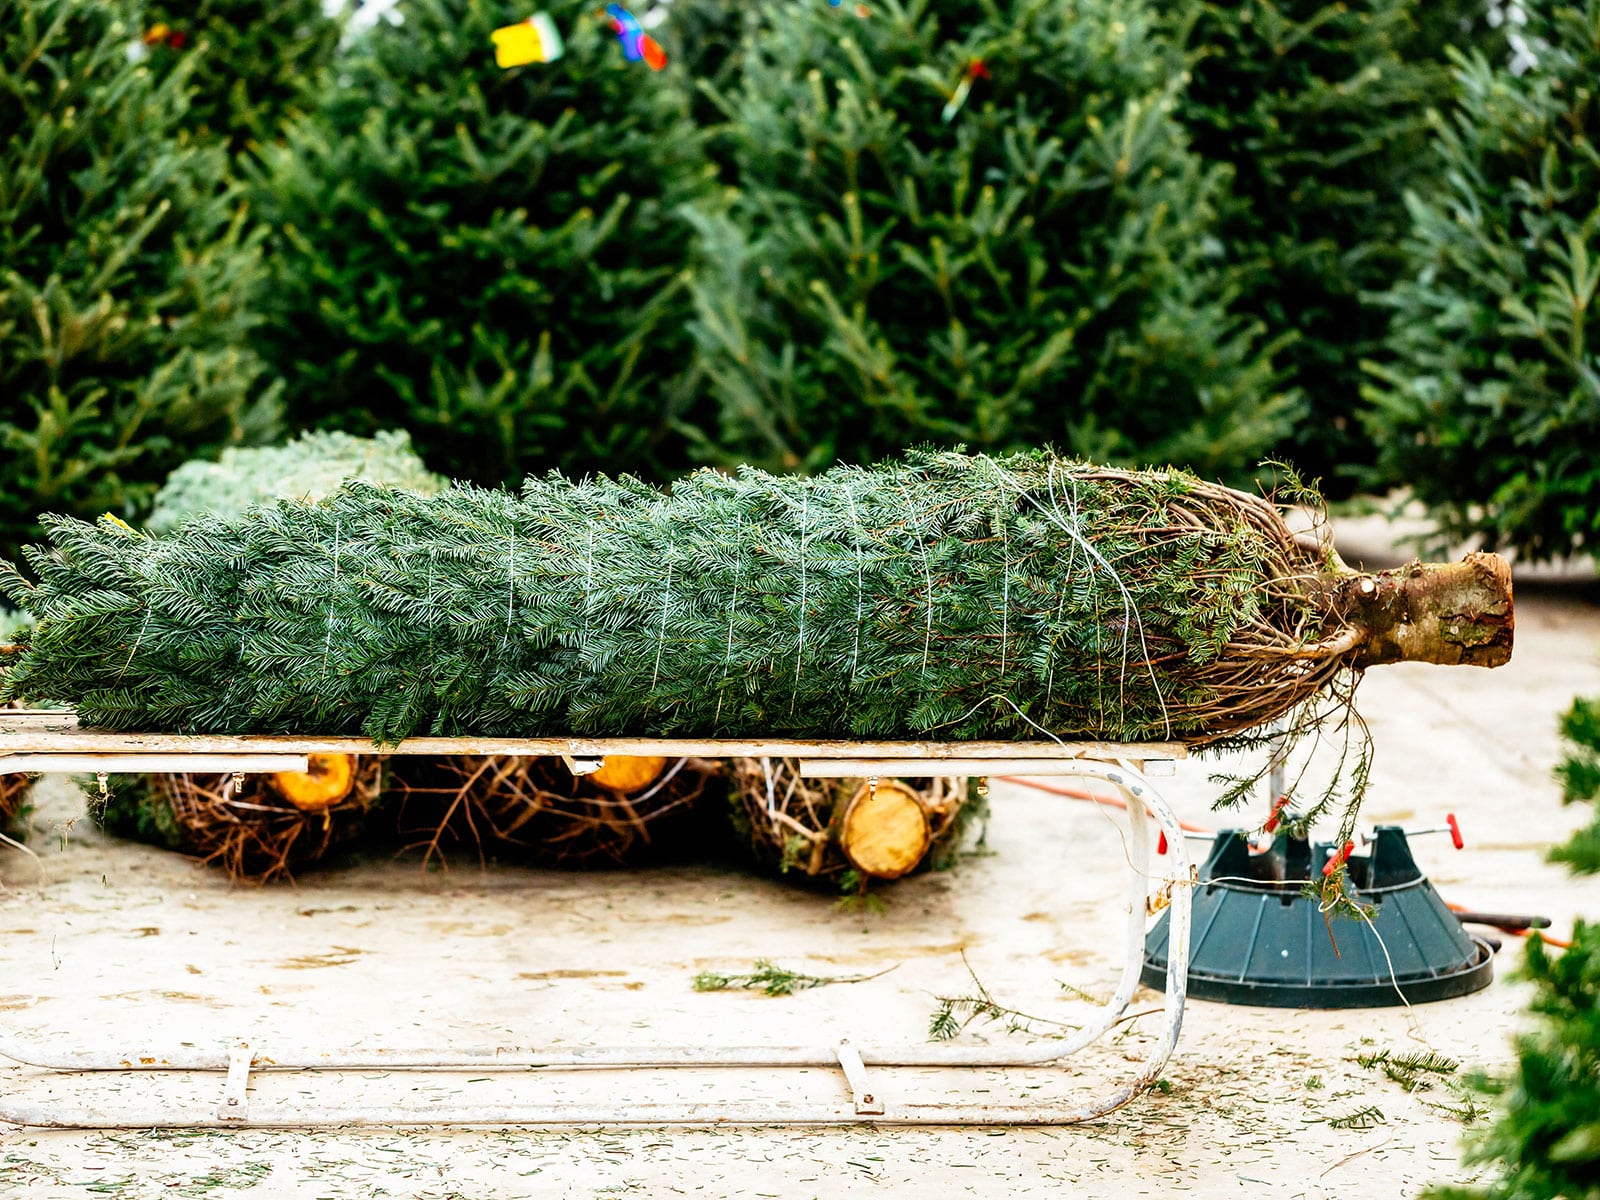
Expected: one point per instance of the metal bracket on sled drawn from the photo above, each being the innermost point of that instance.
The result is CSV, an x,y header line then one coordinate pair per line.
x,y
867,1100
235,1104
583,764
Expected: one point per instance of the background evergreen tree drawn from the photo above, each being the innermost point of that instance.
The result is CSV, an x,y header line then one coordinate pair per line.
x,y
126,281
1041,268
488,258
1544,1143
1321,110
1579,774
1490,405
257,60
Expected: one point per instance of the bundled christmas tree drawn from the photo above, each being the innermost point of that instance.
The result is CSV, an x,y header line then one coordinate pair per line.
x,y
633,811
489,257
307,468
976,223
1321,112
126,281
256,61
845,833
947,596
1490,405
257,828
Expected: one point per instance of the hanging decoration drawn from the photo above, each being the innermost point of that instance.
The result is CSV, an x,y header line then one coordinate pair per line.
x,y
536,40
975,71
636,43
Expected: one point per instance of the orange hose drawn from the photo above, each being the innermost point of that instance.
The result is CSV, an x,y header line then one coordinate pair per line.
x,y
1078,794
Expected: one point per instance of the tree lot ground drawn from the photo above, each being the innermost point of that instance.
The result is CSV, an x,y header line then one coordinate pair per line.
x,y
121,941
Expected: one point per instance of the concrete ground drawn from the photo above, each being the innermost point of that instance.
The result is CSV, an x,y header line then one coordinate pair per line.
x,y
121,946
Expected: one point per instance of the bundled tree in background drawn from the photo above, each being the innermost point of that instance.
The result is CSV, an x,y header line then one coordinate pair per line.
x,y
255,60
307,468
1489,402
489,258
1321,110
971,222
126,278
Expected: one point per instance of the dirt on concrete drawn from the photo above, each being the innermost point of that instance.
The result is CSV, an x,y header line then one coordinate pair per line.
x,y
123,947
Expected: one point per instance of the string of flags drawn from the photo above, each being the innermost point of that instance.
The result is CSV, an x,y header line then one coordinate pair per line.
x,y
537,40
636,43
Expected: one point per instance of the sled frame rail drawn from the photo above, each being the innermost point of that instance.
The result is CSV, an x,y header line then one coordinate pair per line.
x,y
43,741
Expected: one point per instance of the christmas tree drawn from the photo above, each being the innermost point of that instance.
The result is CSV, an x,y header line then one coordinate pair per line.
x,y
1321,111
942,596
489,257
1579,775
977,223
1545,1142
126,280
1489,403
256,60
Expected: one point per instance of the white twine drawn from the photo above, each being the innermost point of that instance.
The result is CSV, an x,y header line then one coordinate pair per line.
x,y
733,607
800,648
855,529
1130,611
327,642
927,570
661,638
511,589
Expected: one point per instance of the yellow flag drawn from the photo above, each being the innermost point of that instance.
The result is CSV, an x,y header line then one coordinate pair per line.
x,y
535,40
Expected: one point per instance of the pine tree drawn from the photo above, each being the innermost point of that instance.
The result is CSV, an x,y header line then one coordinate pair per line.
x,y
1042,267
490,258
256,60
126,279
1321,110
1489,405
1579,775
944,595
1545,1142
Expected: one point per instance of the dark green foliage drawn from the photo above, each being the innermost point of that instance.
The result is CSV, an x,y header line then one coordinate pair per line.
x,y
1545,1142
1321,110
1579,775
488,258
257,61
963,597
126,283
1042,268
1491,407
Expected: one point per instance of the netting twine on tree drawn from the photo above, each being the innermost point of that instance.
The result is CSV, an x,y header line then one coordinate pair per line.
x,y
946,596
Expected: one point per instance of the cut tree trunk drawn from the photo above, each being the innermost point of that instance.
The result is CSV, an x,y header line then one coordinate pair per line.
x,y
1454,614
884,831
628,773
326,781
